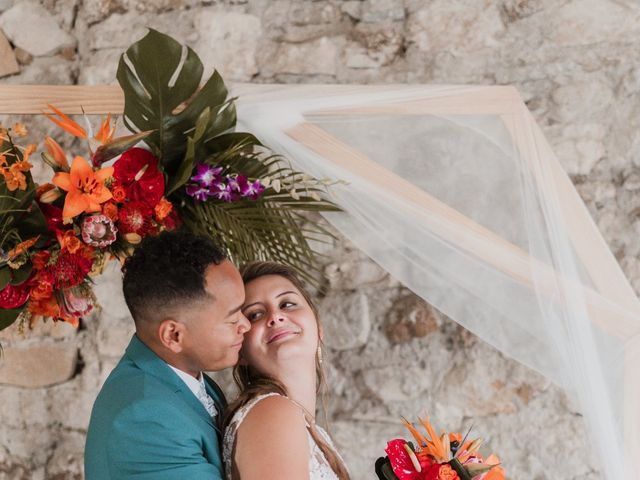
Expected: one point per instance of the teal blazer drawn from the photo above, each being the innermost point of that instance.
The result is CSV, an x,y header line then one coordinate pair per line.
x,y
147,425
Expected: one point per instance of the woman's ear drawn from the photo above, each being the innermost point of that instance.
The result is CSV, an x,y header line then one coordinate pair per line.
x,y
171,334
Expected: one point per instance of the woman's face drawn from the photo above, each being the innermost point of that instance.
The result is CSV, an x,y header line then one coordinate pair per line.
x,y
283,326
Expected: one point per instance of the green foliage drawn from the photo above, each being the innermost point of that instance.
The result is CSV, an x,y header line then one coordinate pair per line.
x,y
162,95
160,79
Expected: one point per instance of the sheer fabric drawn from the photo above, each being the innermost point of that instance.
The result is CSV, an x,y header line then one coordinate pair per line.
x,y
456,193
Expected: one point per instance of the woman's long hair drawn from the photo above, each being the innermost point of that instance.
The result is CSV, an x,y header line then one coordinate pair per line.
x,y
253,383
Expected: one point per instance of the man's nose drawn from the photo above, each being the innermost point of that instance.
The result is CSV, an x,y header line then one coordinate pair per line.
x,y
245,325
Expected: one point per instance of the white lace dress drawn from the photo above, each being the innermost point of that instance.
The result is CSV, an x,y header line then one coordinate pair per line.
x,y
319,468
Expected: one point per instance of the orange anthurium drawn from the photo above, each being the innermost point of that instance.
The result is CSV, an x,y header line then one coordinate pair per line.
x,y
66,123
85,188
55,150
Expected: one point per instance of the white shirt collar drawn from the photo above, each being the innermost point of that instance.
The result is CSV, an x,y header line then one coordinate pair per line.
x,y
191,382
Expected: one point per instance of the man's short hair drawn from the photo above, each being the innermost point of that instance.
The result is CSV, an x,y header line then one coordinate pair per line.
x,y
167,272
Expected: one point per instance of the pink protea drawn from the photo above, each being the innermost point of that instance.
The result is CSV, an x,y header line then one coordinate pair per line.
x,y
98,231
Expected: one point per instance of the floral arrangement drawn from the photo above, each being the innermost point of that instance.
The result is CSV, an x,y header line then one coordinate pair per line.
x,y
445,457
182,166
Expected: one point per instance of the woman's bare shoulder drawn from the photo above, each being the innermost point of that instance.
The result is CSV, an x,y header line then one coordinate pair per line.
x,y
274,411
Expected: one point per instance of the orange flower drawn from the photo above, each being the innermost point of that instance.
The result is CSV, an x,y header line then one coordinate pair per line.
x,y
68,241
42,291
447,473
497,472
22,247
40,259
19,129
110,210
105,134
163,209
119,193
66,123
13,175
55,150
85,188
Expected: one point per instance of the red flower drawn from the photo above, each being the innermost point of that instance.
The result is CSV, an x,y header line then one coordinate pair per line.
x,y
53,216
71,269
14,296
172,221
402,465
135,217
137,172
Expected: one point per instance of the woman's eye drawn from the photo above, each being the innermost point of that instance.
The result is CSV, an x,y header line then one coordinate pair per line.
x,y
253,316
287,304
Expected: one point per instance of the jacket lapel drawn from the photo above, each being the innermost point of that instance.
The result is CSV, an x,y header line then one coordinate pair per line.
x,y
153,365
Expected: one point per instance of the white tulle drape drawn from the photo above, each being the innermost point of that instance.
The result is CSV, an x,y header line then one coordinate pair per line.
x,y
456,193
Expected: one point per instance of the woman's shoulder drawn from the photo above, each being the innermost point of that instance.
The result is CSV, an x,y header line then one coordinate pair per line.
x,y
272,411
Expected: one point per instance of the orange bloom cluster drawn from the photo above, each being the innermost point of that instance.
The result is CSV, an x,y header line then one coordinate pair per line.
x,y
14,173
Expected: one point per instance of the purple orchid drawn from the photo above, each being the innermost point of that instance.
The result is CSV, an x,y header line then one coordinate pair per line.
x,y
206,175
198,192
248,189
223,191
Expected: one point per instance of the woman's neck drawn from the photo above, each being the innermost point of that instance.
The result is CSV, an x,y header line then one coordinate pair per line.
x,y
300,381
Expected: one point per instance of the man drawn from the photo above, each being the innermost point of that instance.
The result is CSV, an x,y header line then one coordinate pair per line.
x,y
157,415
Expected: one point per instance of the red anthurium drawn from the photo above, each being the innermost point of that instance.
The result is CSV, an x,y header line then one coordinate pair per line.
x,y
137,172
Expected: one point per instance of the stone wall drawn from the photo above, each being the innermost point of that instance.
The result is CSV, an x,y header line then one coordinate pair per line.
x,y
389,354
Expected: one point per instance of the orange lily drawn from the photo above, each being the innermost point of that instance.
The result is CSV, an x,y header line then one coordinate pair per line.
x,y
85,188
106,131
66,123
55,150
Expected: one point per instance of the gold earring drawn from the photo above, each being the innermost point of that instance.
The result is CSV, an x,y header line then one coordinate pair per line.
x,y
319,354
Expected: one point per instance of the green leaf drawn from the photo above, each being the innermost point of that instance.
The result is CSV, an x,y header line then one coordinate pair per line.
x,y
5,276
156,80
459,469
8,316
21,275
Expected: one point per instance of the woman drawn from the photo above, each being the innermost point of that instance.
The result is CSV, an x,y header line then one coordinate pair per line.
x,y
271,431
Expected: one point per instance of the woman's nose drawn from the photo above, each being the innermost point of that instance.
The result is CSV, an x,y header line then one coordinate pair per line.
x,y
274,319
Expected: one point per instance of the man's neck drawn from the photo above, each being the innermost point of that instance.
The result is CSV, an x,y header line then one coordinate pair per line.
x,y
168,356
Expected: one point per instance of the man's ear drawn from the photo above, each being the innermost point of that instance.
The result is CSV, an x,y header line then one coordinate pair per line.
x,y
171,334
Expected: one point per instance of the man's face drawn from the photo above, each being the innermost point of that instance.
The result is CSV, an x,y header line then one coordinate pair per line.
x,y
215,328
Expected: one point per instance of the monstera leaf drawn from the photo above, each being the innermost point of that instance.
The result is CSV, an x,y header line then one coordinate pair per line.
x,y
160,79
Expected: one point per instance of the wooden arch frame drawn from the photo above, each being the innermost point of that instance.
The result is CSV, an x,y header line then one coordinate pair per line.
x,y
612,303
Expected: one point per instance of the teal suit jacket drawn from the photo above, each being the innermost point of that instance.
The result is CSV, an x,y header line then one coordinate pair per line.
x,y
147,425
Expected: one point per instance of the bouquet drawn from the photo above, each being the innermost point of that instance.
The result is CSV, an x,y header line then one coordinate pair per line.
x,y
183,165
445,457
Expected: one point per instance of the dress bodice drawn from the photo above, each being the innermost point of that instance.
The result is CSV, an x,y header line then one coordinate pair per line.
x,y
319,468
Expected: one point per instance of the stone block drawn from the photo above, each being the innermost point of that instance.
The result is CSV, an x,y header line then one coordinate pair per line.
x,y
228,42
317,57
31,27
38,365
346,322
